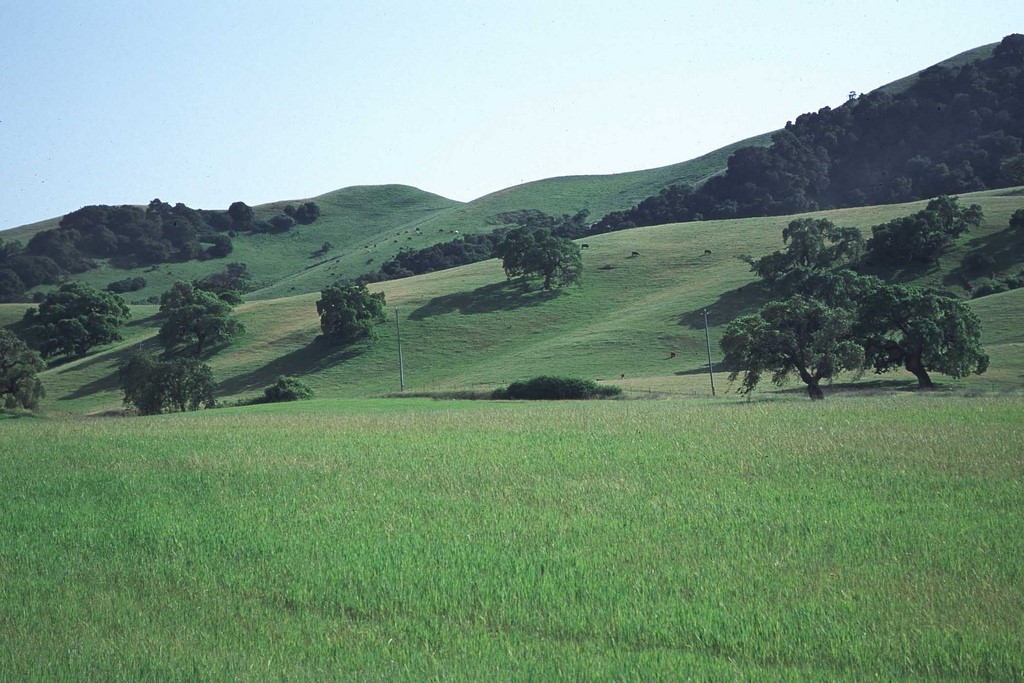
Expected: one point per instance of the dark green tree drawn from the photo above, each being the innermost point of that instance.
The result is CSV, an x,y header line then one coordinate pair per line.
x,y
76,318
348,313
152,386
813,246
557,261
794,336
195,316
923,236
19,365
221,246
920,330
307,213
1017,220
241,215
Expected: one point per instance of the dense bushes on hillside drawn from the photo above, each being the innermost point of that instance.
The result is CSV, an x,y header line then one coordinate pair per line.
x,y
923,236
130,237
954,130
128,284
441,256
473,248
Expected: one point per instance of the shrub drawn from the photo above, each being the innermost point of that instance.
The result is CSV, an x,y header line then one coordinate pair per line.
x,y
286,389
129,284
546,388
979,262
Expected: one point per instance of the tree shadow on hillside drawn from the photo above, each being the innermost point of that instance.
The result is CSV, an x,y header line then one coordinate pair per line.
x,y
502,296
110,382
316,356
907,272
1005,249
730,305
718,368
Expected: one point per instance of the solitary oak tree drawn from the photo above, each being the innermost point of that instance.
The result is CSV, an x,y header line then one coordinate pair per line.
x,y
76,318
525,252
348,313
194,316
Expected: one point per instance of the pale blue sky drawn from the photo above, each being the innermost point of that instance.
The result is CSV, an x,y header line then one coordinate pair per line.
x,y
208,102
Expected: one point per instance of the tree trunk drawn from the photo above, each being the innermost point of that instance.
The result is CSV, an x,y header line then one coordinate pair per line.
x,y
914,365
814,391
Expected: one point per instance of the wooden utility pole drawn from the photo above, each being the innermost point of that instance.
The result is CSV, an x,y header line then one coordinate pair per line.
x,y
401,363
707,336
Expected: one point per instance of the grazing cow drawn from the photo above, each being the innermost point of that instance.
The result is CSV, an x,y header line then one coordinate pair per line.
x,y
584,246
671,354
707,252
635,253
622,376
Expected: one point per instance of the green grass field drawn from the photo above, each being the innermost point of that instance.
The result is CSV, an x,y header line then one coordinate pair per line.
x,y
856,539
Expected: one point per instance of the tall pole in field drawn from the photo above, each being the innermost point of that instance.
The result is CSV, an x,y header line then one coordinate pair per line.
x,y
401,364
707,336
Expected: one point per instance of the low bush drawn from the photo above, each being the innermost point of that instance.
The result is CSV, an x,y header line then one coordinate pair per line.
x,y
129,284
286,389
555,389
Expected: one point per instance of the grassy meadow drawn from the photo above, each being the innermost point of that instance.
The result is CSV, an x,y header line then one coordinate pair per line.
x,y
862,538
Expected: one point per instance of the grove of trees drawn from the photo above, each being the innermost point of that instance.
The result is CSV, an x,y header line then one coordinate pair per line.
x,y
830,319
129,237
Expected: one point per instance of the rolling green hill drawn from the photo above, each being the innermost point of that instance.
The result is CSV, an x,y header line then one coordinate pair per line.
x,y
368,225
467,328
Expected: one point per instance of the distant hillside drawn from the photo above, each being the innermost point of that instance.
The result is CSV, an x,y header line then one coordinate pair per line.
x,y
955,62
467,328
955,127
554,196
366,225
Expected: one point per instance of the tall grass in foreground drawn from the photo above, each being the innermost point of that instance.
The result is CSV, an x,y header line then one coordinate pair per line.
x,y
862,538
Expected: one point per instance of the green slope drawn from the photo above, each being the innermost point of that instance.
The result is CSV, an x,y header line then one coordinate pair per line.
x,y
368,225
598,193
958,60
467,328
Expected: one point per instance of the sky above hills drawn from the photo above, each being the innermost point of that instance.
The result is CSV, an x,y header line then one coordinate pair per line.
x,y
208,103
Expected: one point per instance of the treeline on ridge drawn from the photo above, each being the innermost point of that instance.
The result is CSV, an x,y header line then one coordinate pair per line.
x,y
954,130
131,237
